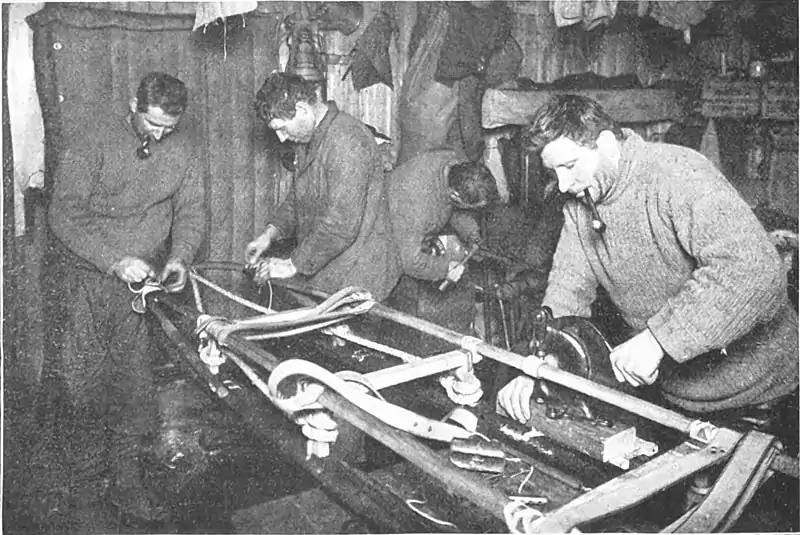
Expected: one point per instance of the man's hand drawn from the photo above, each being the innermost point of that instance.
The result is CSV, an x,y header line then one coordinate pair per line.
x,y
636,361
131,269
455,270
515,398
274,268
174,275
257,247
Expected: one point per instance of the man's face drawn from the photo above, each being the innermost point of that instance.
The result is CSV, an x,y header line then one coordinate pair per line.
x,y
155,123
299,128
577,167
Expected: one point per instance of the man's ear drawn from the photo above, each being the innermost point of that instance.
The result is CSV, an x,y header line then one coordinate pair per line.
x,y
302,105
607,140
133,103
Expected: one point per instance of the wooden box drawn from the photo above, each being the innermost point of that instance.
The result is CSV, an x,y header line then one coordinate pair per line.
x,y
779,101
722,97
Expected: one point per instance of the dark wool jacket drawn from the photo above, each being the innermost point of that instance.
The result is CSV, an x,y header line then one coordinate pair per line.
x,y
108,204
419,203
338,210
684,256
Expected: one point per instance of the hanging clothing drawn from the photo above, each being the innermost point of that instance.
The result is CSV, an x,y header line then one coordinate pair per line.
x,y
24,111
369,60
208,12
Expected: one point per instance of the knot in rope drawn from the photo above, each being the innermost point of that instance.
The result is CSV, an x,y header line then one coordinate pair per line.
x,y
208,349
148,286
462,387
702,431
470,345
520,517
320,429
217,327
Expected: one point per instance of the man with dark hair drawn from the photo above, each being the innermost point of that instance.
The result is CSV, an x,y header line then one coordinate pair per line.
x,y
127,206
336,206
425,194
680,254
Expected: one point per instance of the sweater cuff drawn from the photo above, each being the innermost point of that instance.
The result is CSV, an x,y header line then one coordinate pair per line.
x,y
671,334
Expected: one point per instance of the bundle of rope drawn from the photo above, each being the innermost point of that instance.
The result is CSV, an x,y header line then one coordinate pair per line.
x,y
316,423
342,305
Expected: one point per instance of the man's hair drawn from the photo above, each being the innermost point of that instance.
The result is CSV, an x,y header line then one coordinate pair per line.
x,y
280,93
163,91
574,117
473,182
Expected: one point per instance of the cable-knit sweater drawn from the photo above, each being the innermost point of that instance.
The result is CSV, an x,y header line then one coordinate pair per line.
x,y
684,256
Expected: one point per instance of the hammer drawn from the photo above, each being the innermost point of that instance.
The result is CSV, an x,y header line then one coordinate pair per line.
x,y
448,281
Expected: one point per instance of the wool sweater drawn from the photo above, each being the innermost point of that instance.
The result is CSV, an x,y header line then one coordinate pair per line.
x,y
684,256
108,204
337,208
419,204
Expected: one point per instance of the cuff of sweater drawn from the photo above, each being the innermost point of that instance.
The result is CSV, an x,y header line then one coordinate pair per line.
x,y
305,264
179,252
671,335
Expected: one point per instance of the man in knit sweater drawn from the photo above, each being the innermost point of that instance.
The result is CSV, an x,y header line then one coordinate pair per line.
x,y
127,206
682,256
337,205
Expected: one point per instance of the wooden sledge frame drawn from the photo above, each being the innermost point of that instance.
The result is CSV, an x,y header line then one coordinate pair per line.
x,y
707,445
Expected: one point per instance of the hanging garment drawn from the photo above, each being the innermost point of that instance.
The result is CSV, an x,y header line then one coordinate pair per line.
x,y
369,60
680,14
598,13
473,35
567,12
709,144
208,12
24,111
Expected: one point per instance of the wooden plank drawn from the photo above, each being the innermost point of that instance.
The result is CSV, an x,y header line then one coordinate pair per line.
x,y
636,486
503,107
614,443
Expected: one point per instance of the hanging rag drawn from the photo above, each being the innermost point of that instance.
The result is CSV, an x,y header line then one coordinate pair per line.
x,y
369,60
567,12
208,12
24,111
598,13
709,144
680,14
473,35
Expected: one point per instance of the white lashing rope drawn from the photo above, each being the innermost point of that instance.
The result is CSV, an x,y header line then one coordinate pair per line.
x,y
230,295
344,332
348,335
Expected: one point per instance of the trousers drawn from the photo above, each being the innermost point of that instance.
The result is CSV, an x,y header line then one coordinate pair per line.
x,y
99,396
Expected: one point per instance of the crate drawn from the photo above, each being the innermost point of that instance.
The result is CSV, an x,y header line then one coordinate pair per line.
x,y
722,97
779,101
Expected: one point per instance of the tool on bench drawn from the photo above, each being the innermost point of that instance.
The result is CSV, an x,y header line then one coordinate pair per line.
x,y
448,280
479,454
